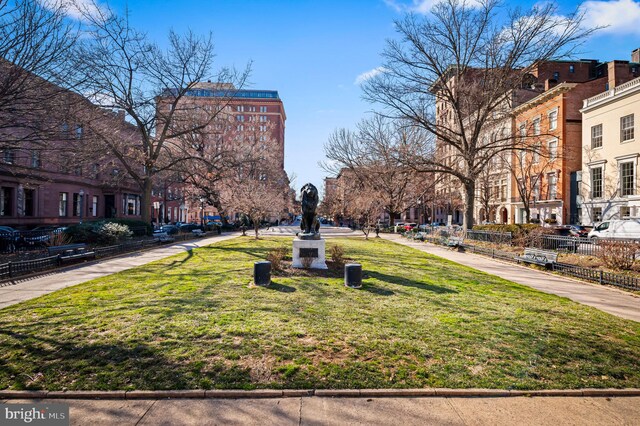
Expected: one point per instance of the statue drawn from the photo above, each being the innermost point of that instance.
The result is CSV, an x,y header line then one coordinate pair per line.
x,y
309,225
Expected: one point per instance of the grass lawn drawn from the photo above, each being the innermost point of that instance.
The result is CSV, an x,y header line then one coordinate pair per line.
x,y
192,321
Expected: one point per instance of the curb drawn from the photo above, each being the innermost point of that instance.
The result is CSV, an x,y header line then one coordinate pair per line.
x,y
331,393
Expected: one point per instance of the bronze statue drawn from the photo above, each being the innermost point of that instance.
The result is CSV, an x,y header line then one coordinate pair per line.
x,y
309,225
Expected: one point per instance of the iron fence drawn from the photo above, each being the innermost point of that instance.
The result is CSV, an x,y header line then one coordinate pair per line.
x,y
15,269
491,237
587,274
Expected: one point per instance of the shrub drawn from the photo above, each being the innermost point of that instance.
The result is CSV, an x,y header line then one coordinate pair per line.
x,y
535,237
83,232
138,227
111,233
276,257
306,262
619,254
337,255
520,232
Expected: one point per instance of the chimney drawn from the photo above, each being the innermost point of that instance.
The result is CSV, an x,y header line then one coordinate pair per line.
x,y
618,73
635,56
549,83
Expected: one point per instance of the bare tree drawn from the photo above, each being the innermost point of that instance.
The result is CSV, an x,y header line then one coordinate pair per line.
x,y
457,71
35,44
156,90
372,154
258,189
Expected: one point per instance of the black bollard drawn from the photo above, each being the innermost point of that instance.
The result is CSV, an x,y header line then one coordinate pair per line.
x,y
353,275
262,273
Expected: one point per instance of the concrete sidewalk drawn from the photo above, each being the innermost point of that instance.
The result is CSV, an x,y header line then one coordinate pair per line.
x,y
29,288
617,302
314,410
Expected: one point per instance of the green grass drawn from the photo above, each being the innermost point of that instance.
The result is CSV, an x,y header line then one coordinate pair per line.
x,y
192,321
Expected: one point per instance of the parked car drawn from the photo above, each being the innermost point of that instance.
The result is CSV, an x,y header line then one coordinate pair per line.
x,y
578,230
624,229
168,229
8,239
568,241
188,227
410,226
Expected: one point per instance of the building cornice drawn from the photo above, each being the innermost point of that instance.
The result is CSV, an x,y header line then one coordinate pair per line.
x,y
622,90
544,97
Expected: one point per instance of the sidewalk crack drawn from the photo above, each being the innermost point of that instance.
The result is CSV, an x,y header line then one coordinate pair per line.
x,y
300,413
145,413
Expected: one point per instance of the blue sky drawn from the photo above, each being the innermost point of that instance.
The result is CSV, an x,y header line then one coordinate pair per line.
x,y
312,52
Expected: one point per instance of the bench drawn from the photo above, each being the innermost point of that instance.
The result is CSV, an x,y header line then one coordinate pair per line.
x,y
455,242
71,252
539,257
163,237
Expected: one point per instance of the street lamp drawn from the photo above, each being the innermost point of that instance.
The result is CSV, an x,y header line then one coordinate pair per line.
x,y
202,211
81,196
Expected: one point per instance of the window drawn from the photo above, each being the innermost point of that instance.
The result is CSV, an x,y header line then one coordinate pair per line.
x,y
626,128
62,204
596,136
523,132
556,75
94,171
77,170
77,205
6,198
239,117
596,182
263,128
94,206
240,108
553,120
9,156
627,184
29,202
240,127
263,109
572,69
131,204
553,149
536,126
535,157
552,185
79,131
535,187
625,212
263,118
597,216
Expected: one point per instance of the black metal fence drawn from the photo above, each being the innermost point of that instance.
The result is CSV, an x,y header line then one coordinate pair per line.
x,y
12,270
551,242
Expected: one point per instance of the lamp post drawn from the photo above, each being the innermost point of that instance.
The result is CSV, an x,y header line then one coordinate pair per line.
x,y
202,211
81,196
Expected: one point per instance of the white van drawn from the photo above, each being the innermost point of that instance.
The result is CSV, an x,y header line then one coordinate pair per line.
x,y
617,229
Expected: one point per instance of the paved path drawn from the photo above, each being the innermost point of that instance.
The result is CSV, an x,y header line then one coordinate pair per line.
x,y
551,411
611,300
325,231
25,289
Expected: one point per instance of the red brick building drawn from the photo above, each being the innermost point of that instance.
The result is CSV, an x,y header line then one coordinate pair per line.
x,y
57,176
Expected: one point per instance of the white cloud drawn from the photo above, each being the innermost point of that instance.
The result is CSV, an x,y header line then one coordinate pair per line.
x,y
420,6
619,16
76,9
368,75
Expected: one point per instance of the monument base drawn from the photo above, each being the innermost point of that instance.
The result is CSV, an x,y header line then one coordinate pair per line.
x,y
309,249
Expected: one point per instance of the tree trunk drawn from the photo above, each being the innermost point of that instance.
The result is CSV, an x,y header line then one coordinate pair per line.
x,y
469,195
256,227
145,208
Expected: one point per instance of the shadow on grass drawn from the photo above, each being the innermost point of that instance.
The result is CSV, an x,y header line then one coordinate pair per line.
x,y
392,279
377,290
102,366
281,287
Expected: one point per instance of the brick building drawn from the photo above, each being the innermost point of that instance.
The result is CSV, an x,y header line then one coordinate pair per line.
x,y
55,177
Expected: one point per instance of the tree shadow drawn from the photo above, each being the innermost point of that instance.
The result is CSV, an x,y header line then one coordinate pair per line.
x,y
281,287
99,365
377,290
392,279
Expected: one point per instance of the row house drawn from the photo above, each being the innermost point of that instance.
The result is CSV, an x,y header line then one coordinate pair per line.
x,y
57,176
608,182
551,127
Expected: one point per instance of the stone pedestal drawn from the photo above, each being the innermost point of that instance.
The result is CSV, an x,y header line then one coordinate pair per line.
x,y
314,249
